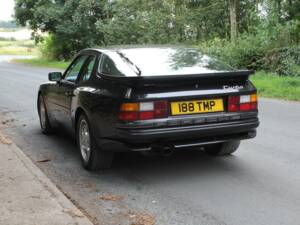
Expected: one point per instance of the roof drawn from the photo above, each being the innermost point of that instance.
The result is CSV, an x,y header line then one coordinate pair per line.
x,y
114,48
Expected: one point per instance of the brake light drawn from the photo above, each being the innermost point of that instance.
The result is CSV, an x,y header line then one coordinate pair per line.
x,y
161,109
146,115
242,103
245,107
128,116
143,110
233,103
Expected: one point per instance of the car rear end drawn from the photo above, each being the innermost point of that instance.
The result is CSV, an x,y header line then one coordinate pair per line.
x,y
187,111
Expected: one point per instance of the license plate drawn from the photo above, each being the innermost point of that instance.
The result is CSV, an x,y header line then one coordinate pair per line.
x,y
197,106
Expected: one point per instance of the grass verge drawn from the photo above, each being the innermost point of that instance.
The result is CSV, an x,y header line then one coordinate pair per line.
x,y
43,63
274,86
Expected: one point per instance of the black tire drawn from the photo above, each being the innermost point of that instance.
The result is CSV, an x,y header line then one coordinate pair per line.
x,y
43,116
226,148
96,159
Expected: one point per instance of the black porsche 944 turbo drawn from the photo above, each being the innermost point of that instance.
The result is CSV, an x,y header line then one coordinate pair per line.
x,y
149,98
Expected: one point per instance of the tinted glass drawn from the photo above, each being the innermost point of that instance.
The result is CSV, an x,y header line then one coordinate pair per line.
x,y
109,66
88,69
75,68
165,61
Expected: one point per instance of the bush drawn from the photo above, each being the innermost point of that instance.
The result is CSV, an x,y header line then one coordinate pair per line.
x,y
54,48
246,52
284,61
264,50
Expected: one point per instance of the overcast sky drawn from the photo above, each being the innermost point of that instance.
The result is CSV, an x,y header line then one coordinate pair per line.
x,y
6,9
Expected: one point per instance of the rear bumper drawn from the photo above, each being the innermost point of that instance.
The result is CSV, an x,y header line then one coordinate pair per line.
x,y
179,137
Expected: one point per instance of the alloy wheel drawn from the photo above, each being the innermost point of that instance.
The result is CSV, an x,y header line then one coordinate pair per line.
x,y
84,140
42,113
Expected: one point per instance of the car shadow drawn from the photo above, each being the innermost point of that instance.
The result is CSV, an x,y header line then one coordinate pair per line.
x,y
137,167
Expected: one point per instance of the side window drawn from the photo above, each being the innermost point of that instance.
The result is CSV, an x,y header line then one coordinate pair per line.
x,y
88,68
75,68
107,66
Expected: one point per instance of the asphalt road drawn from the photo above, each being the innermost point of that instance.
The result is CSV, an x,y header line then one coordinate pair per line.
x,y
259,185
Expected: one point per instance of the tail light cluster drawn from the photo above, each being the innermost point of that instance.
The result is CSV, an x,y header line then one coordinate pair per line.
x,y
143,110
242,103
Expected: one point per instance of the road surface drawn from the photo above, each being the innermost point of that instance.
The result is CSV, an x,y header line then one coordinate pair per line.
x,y
259,185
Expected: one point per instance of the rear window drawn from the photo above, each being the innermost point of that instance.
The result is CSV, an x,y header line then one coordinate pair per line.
x,y
114,65
162,61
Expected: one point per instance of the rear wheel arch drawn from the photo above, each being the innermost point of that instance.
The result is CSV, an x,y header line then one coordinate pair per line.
x,y
97,158
78,113
43,115
38,99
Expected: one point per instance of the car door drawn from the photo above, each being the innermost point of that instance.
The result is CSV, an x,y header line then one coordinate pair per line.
x,y
64,91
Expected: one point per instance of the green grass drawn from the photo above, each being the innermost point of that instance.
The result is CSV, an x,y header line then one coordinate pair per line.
x,y
274,86
8,47
43,63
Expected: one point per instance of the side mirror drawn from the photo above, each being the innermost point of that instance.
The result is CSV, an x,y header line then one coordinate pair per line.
x,y
55,76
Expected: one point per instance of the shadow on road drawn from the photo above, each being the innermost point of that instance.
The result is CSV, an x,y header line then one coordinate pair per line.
x,y
184,163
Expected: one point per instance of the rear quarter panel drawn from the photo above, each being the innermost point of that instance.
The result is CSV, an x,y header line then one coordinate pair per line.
x,y
100,100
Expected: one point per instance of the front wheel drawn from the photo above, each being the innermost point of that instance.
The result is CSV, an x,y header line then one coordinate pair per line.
x,y
225,148
91,155
43,114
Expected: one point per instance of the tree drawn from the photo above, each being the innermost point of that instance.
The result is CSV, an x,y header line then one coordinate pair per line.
x,y
71,23
77,24
233,19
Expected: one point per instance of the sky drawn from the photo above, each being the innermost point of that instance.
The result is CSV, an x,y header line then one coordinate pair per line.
x,y
6,9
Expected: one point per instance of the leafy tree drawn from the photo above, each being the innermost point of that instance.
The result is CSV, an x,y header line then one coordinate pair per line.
x,y
71,23
76,24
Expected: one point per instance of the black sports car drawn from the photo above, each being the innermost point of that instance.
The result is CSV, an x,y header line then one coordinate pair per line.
x,y
149,99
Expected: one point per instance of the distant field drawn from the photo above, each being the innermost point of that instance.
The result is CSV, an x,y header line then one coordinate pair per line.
x,y
9,29
8,47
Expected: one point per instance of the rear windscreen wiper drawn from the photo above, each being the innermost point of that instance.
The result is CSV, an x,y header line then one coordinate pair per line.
x,y
127,60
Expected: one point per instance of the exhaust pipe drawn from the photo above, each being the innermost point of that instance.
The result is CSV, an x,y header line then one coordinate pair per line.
x,y
167,151
164,150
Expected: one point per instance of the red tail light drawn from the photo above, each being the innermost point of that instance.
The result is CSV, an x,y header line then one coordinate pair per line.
x,y
253,106
233,103
161,109
146,115
245,106
242,103
128,116
143,110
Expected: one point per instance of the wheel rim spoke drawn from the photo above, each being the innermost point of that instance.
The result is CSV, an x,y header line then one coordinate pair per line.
x,y
84,140
42,113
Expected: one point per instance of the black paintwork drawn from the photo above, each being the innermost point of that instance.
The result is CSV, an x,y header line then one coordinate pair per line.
x,y
100,98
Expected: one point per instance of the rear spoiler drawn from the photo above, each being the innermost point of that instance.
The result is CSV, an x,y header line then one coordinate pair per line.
x,y
138,81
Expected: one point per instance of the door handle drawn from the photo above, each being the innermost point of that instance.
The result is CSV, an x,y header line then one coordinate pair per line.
x,y
69,93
